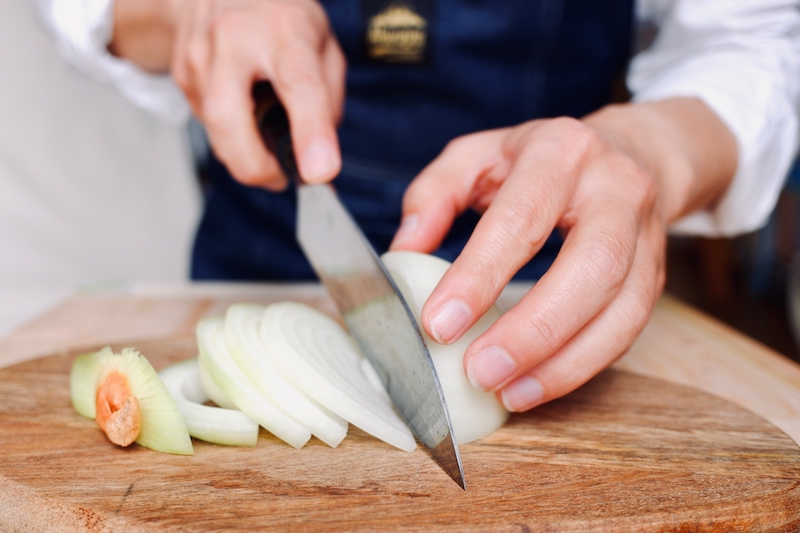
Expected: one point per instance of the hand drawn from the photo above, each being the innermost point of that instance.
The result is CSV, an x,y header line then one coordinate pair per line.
x,y
217,49
611,183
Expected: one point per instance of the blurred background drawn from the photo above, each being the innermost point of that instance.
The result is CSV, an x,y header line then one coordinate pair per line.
x,y
95,192
750,282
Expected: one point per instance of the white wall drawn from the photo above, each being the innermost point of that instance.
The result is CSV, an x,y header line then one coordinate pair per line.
x,y
92,189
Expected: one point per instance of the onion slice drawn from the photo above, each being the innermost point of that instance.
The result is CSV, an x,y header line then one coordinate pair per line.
x,y
230,427
473,413
214,392
320,358
220,366
242,322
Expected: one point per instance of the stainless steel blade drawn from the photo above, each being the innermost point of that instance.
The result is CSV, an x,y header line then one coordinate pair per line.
x,y
379,319
367,297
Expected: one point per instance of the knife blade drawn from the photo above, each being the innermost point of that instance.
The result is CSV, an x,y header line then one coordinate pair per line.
x,y
373,308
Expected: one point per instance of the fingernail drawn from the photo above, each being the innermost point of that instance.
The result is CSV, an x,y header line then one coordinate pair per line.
x,y
490,367
319,162
406,231
522,394
450,320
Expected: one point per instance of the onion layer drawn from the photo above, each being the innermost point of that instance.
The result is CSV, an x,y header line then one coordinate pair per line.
x,y
319,357
221,367
212,424
242,322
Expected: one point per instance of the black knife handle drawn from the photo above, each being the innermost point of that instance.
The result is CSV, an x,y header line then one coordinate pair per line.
x,y
273,125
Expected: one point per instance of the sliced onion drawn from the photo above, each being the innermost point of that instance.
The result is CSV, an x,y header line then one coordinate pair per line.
x,y
212,424
211,388
320,358
242,323
220,366
473,413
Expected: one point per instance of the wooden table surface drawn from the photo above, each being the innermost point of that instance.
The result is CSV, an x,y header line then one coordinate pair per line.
x,y
622,453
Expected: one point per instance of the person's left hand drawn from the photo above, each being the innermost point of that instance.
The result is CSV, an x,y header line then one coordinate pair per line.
x,y
579,177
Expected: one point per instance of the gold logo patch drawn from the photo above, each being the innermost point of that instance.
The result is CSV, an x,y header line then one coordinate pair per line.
x,y
397,35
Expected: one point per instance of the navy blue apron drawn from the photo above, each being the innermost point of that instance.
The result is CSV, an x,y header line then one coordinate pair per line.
x,y
487,64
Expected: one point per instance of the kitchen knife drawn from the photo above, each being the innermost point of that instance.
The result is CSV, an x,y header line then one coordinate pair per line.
x,y
375,312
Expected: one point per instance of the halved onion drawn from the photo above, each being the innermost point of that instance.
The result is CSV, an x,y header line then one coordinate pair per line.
x,y
473,413
321,358
212,424
221,367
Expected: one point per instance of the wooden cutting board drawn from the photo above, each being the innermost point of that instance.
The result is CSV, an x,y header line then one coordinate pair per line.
x,y
623,453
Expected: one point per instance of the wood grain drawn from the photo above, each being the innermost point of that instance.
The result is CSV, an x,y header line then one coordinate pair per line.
x,y
688,347
623,453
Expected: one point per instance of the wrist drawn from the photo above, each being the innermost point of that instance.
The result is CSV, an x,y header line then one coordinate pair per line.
x,y
681,143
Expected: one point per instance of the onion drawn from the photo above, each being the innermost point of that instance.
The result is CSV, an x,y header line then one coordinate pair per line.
x,y
213,391
223,370
242,323
320,358
288,367
473,413
212,424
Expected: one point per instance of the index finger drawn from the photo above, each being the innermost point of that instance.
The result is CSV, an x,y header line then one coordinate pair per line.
x,y
301,81
521,216
227,112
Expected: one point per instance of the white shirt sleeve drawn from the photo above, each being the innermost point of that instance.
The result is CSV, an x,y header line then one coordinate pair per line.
x,y
82,30
742,59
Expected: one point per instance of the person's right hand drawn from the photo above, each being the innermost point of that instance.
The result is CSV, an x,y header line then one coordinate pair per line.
x,y
220,48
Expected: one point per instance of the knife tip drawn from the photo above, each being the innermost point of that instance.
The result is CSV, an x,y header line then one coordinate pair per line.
x,y
446,455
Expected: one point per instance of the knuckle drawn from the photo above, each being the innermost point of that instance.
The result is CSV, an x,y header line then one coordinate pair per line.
x,y
224,22
572,140
454,145
544,334
181,77
247,176
294,19
215,117
641,187
522,223
471,143
573,134
250,173
291,76
608,260
194,59
484,273
639,308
